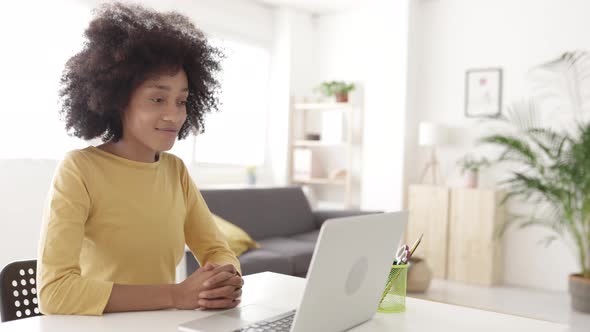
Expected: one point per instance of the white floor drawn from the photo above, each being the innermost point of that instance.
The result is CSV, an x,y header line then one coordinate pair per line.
x,y
532,303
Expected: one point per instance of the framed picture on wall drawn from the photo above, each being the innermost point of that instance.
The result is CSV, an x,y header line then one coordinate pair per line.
x,y
483,92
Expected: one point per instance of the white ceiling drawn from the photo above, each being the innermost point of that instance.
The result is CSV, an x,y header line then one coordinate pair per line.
x,y
316,6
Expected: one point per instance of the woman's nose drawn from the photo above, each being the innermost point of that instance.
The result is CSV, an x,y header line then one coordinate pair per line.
x,y
172,114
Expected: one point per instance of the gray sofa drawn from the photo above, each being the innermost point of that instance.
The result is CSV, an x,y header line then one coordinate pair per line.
x,y
280,219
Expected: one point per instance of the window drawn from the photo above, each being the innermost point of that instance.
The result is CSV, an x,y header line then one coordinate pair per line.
x,y
38,42
237,133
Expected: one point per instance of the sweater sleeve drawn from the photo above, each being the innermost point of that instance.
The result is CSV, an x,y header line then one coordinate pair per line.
x,y
203,237
62,289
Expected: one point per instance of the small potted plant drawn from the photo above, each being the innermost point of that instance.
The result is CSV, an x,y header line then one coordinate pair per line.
x,y
470,168
338,89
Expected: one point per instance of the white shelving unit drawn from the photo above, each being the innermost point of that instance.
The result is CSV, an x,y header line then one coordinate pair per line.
x,y
300,114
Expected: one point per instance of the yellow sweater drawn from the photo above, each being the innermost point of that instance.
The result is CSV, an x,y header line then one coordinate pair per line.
x,y
113,220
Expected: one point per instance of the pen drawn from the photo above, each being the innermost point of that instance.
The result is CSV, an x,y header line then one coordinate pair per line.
x,y
416,244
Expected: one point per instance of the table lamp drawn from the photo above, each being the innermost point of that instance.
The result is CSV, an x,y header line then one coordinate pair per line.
x,y
431,135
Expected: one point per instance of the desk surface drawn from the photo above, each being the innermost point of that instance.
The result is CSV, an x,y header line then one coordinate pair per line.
x,y
285,292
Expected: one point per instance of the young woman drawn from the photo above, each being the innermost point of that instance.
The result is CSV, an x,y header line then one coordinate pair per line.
x,y
118,215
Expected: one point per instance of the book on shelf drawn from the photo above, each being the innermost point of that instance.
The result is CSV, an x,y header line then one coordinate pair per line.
x,y
305,166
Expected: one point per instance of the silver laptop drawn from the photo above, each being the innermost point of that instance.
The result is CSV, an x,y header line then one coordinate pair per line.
x,y
346,278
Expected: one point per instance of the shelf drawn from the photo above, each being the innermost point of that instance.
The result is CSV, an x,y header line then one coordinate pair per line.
x,y
313,162
339,182
322,106
310,143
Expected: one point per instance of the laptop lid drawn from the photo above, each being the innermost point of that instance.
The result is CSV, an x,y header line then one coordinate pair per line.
x,y
348,271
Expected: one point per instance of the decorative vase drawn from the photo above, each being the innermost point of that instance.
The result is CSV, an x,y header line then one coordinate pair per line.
x,y
580,293
419,275
471,179
251,175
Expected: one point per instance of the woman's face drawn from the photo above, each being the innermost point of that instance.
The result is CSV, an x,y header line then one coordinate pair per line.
x,y
156,111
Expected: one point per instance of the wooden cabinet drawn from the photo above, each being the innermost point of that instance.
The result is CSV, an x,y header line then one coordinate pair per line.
x,y
429,215
459,227
475,255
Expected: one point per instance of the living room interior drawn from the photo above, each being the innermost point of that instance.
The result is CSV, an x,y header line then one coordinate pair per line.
x,y
344,107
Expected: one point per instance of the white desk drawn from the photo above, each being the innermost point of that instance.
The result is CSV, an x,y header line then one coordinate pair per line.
x,y
285,292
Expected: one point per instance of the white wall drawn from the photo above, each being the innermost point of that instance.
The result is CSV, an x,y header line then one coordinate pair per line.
x,y
23,188
367,45
447,38
247,20
292,73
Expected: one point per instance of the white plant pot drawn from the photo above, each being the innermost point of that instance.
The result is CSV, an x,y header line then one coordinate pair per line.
x,y
471,179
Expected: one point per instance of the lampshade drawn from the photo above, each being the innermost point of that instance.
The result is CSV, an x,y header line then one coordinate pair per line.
x,y
432,134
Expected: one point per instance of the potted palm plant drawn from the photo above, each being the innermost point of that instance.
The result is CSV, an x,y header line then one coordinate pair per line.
x,y
338,89
551,167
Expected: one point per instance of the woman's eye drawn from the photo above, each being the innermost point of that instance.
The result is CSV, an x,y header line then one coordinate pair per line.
x,y
182,103
157,100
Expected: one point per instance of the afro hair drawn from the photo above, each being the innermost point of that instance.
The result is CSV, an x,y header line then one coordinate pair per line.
x,y
124,45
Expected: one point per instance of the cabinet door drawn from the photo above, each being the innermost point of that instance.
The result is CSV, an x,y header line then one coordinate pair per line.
x,y
429,213
475,255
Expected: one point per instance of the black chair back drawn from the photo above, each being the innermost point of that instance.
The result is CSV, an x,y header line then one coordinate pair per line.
x,y
18,291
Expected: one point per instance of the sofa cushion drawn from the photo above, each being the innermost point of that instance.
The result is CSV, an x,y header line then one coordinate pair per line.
x,y
260,260
307,237
298,252
238,240
263,212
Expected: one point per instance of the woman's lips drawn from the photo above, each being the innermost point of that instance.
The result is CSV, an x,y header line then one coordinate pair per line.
x,y
169,131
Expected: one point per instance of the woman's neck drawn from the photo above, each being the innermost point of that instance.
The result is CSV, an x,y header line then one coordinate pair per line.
x,y
130,150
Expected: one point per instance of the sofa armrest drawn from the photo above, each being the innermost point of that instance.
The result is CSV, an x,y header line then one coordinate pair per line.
x,y
320,216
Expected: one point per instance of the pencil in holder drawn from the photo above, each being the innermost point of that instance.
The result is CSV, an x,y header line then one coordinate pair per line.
x,y
393,298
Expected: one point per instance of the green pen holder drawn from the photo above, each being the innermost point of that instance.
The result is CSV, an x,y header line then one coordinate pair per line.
x,y
393,299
